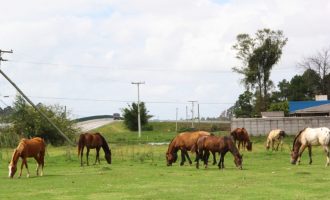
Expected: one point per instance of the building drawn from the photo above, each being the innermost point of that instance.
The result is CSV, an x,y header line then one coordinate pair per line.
x,y
309,108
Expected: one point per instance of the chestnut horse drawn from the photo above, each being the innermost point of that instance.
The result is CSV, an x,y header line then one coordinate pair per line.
x,y
93,141
184,142
242,136
275,136
34,147
222,145
309,137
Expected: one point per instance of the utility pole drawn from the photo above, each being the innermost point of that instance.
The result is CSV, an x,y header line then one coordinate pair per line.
x,y
199,120
192,113
139,117
176,120
27,99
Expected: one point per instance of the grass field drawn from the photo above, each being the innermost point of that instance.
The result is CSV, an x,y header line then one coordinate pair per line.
x,y
139,171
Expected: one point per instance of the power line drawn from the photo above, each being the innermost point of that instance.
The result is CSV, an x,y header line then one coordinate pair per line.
x,y
117,68
124,101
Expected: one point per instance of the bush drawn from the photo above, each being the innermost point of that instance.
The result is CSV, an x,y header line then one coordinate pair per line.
x,y
27,122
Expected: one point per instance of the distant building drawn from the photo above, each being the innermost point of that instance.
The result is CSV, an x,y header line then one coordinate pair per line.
x,y
272,114
320,107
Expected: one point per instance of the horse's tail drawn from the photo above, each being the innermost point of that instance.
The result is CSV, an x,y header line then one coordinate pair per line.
x,y
81,143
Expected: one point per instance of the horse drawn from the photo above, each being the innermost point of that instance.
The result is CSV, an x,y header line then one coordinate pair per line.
x,y
242,136
93,141
309,137
275,136
222,145
184,142
26,148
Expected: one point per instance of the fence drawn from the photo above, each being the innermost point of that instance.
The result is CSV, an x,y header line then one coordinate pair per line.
x,y
291,125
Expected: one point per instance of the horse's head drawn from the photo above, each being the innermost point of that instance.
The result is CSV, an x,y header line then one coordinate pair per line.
x,y
294,156
238,161
12,170
249,146
108,158
282,134
171,158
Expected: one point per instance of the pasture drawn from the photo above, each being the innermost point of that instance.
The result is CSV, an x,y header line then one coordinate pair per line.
x,y
139,171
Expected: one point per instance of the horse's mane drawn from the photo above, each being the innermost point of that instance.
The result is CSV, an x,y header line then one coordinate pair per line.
x,y
170,146
296,137
105,145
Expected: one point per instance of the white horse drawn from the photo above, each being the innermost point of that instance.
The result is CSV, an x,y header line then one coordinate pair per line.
x,y
275,136
310,137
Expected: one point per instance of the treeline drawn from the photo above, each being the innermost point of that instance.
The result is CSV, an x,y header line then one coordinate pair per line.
x,y
258,55
26,122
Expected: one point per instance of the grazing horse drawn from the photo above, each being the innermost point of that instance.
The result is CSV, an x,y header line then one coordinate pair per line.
x,y
184,142
242,136
93,141
275,136
222,145
309,137
34,147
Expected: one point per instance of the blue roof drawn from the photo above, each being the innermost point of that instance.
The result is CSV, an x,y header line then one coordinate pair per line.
x,y
298,105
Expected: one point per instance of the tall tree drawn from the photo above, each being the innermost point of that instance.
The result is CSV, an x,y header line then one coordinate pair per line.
x,y
258,55
320,63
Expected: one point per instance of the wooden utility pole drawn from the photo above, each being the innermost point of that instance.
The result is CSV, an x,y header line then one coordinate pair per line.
x,y
28,100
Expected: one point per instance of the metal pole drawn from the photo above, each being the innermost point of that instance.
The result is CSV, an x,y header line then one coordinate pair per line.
x,y
199,120
139,117
192,113
176,120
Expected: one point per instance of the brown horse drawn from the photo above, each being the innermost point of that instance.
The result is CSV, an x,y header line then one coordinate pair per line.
x,y
93,141
242,136
34,147
184,142
222,145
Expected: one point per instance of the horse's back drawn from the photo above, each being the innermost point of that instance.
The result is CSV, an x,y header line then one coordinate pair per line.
x,y
189,139
316,136
32,147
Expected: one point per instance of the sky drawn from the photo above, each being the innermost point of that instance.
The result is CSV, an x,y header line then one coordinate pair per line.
x,y
84,54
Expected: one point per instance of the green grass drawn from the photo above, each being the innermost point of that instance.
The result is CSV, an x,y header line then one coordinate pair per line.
x,y
139,172
162,132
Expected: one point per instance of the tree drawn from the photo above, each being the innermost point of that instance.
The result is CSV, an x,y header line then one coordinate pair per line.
x,y
258,56
130,115
320,63
280,106
28,123
243,106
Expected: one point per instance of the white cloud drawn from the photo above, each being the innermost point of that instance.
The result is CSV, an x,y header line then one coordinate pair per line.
x,y
102,46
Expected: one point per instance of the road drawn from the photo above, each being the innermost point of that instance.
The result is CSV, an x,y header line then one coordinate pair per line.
x,y
93,124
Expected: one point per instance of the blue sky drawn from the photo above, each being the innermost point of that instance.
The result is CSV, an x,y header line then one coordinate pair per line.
x,y
85,54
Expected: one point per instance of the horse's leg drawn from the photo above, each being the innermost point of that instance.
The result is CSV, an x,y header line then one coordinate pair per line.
x,y
97,158
37,158
206,158
326,149
197,158
301,150
27,169
87,154
22,164
310,154
187,155
214,159
278,144
42,162
281,142
81,155
183,159
222,158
